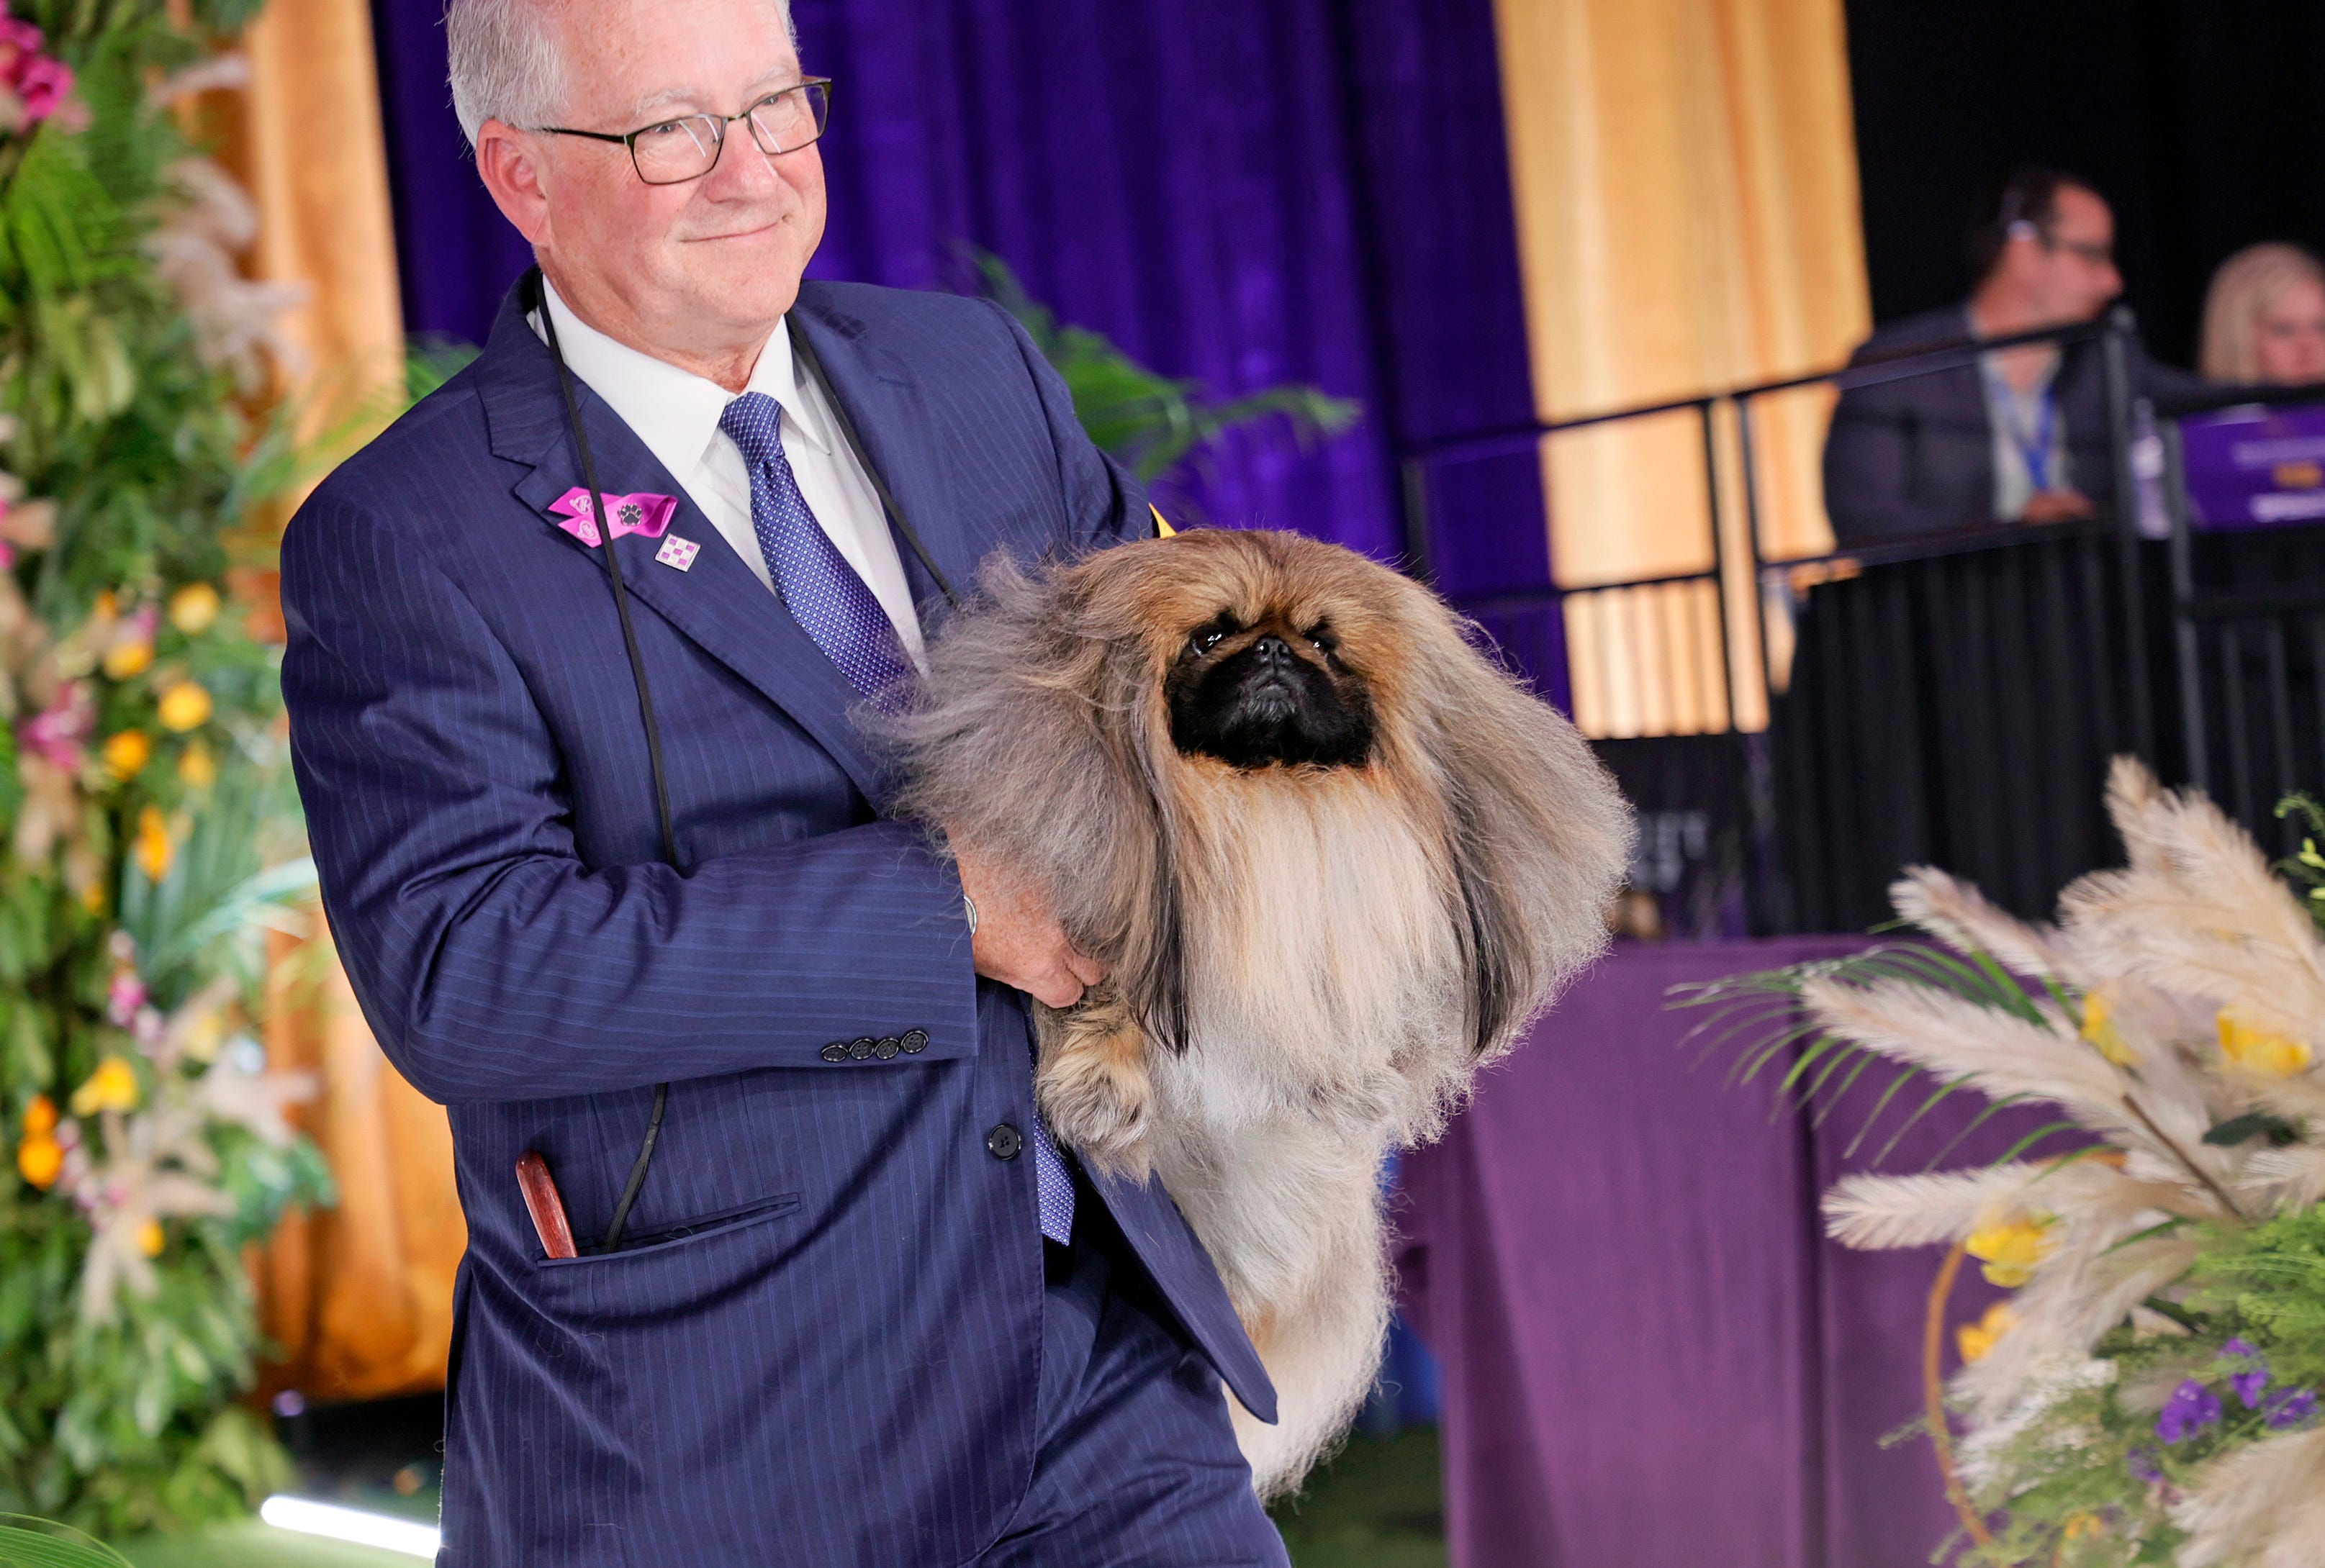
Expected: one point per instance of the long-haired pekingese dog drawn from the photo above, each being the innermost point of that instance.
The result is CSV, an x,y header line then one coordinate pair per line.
x,y
1336,860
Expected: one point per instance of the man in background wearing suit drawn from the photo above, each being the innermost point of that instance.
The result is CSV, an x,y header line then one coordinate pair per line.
x,y
862,1310
2020,435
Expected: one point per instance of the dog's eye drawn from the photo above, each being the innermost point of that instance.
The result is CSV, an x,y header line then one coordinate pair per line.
x,y
1319,636
1209,638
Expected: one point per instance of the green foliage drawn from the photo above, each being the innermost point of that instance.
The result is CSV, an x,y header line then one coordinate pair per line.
x,y
2091,1481
2306,870
147,832
1148,422
32,1543
1759,1017
2269,1283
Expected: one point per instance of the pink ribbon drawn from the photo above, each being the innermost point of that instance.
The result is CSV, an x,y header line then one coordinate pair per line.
x,y
643,514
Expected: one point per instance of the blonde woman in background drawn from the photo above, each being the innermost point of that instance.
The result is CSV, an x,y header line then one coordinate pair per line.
x,y
2265,318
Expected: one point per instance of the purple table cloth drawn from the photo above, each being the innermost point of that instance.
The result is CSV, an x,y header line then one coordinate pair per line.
x,y
1650,1355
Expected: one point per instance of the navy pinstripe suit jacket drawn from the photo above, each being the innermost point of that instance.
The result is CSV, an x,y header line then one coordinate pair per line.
x,y
820,1342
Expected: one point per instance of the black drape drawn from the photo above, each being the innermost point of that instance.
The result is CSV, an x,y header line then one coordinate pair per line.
x,y
2200,120
1960,711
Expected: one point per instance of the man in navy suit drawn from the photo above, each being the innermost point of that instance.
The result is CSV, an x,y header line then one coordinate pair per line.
x,y
2021,435
862,1310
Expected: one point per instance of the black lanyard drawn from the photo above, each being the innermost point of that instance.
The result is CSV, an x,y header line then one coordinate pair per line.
x,y
536,292
605,526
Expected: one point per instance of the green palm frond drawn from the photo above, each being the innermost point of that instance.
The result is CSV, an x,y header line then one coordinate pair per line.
x,y
1759,1018
207,912
1147,421
28,1543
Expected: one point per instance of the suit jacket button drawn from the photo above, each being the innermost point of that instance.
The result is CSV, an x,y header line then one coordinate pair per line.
x,y
1004,1141
915,1041
887,1047
862,1049
835,1052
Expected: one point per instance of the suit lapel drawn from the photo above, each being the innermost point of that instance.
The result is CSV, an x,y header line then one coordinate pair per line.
x,y
880,399
718,603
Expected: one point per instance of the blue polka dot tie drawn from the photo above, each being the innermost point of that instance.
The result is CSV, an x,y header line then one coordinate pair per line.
x,y
838,610
819,588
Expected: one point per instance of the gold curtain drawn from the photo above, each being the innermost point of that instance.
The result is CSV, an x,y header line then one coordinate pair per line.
x,y
356,1298
1685,177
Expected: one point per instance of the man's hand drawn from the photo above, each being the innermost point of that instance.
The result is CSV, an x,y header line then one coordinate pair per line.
x,y
2045,506
1020,943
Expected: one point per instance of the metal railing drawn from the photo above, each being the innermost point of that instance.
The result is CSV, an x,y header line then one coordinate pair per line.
x,y
1744,580
2249,656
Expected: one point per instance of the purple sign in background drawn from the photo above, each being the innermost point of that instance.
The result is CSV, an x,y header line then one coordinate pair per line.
x,y
2255,468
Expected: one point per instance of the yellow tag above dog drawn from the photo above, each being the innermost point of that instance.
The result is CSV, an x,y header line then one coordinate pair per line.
x,y
1162,529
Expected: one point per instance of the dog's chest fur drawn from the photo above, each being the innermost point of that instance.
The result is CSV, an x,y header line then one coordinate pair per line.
x,y
1327,1010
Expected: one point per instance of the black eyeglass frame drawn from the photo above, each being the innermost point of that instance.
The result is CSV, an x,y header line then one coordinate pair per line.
x,y
629,139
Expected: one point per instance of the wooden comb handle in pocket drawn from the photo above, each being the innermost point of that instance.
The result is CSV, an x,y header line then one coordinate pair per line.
x,y
542,1201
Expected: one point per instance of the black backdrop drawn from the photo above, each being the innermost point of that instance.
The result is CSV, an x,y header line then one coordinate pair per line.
x,y
2203,121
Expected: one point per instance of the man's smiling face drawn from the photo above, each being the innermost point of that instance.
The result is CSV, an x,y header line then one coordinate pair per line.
x,y
688,270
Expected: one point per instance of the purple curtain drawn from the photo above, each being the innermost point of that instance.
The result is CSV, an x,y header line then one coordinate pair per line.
x,y
1240,192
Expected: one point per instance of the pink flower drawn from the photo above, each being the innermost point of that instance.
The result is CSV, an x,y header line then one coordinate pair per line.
x,y
57,731
42,84
126,996
17,39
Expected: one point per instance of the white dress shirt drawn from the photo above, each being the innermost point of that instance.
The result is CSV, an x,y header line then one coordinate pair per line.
x,y
2015,419
675,413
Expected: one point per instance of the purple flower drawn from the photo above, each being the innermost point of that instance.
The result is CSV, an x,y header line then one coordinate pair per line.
x,y
2289,1407
2192,1407
2141,1462
2252,1379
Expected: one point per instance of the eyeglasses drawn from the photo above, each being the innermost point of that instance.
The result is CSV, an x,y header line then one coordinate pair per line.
x,y
2090,251
673,151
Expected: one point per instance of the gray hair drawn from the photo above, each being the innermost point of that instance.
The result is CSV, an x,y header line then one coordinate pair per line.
x,y
505,64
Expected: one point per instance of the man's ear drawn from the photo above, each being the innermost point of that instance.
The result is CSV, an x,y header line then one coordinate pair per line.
x,y
508,161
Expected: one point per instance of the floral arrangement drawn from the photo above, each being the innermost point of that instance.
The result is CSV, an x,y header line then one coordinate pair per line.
x,y
147,833
2149,1395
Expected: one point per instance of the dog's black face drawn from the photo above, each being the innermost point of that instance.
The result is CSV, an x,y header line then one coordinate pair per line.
x,y
1255,696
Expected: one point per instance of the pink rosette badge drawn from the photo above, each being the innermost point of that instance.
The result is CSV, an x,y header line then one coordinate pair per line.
x,y
642,513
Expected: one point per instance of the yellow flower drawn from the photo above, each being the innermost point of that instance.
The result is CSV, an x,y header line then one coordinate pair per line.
x,y
39,1158
206,1034
2256,1050
185,706
153,851
2101,1030
149,1238
40,1117
2011,1248
92,897
197,767
111,1087
1974,1339
2082,1524
125,659
126,754
193,607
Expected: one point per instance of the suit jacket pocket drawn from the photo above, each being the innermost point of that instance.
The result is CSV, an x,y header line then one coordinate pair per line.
x,y
669,1238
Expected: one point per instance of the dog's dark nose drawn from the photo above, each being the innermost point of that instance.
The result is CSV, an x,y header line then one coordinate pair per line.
x,y
1272,649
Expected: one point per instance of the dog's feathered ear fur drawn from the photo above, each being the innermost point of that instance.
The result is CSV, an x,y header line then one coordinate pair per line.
x,y
1540,835
1024,688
